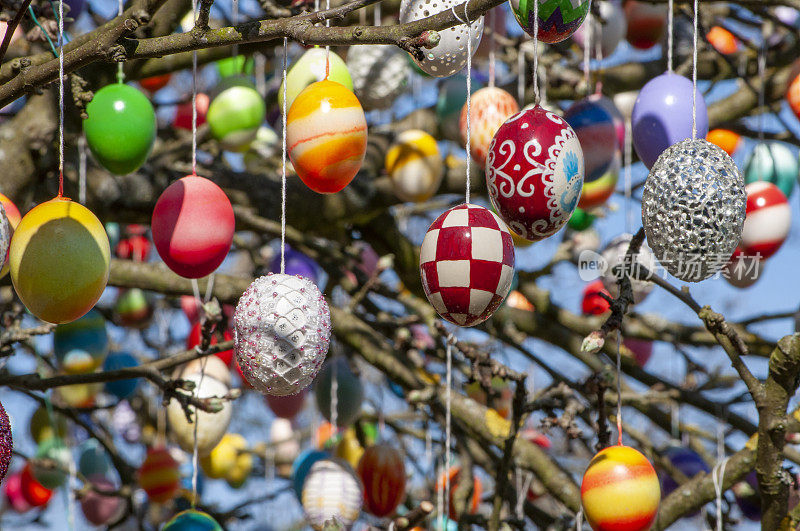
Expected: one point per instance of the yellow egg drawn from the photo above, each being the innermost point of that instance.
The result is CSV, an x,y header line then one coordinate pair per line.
x,y
59,258
349,448
239,473
223,457
415,166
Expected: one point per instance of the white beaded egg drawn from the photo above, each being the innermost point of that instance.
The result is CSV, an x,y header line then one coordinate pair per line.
x,y
380,74
282,329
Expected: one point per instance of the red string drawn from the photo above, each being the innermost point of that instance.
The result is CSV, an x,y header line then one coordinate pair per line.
x,y
327,64
60,183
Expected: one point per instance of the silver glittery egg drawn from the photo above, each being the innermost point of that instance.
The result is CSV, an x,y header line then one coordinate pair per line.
x,y
693,208
282,329
380,74
450,55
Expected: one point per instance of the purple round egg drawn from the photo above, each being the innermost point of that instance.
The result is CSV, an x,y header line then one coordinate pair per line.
x,y
296,263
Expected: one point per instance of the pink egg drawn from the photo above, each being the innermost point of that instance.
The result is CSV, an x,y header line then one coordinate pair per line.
x,y
193,226
641,348
768,219
13,488
286,407
99,509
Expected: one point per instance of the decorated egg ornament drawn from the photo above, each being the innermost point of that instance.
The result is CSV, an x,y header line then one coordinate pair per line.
x,y
743,271
99,509
774,162
193,226
326,133
6,442
489,108
59,258
728,140
767,221
450,54
236,113
620,491
558,19
594,125
207,427
159,475
467,264
415,166
120,128
615,254
311,67
380,74
383,474
610,28
82,345
534,173
331,490
693,209
687,461
192,520
282,331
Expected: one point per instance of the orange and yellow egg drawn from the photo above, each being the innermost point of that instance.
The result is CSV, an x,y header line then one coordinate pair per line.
x,y
12,213
726,139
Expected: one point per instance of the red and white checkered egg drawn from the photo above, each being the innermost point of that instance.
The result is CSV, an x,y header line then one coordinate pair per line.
x,y
467,264
534,173
768,219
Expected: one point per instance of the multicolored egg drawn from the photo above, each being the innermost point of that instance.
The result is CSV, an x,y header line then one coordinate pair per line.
x,y
380,74
236,113
597,132
310,68
100,509
159,475
121,388
489,108
350,392
207,427
774,162
558,19
82,345
467,264
192,520
535,173
13,216
620,491
302,466
768,219
326,132
120,128
331,490
610,29
646,23
59,259
383,474
726,139
415,166
193,226
132,308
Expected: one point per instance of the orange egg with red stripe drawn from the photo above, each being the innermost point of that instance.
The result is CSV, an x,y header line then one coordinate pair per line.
x,y
326,135
159,475
620,491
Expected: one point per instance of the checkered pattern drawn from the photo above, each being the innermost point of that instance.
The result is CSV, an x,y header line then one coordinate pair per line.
x,y
467,264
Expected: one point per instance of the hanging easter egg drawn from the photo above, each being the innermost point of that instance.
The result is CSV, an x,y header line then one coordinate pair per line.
x,y
534,173
641,349
467,264
349,447
624,102
609,29
767,221
210,427
310,68
12,486
235,66
580,219
595,298
742,271
686,461
350,392
326,133
42,428
722,40
59,258
135,246
383,474
92,459
132,309
51,465
13,217
302,466
453,478
183,112
222,458
558,19
646,23
287,407
159,475
295,263
450,54
500,399
77,395
452,97
192,520
236,113
595,128
82,345
155,83
662,116
693,209
620,490
193,226
726,139
195,335
331,490
243,465
615,254
36,494
773,162
380,74
489,108
285,444
748,497
6,442
415,166
121,128
75,9
518,301
100,509
793,95
121,388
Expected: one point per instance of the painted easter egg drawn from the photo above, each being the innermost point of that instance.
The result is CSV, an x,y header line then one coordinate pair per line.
x,y
59,259
159,475
34,493
155,83
192,520
768,219
222,457
193,226
646,23
183,112
450,54
596,130
350,392
467,264
13,216
383,474
580,220
210,427
285,444
489,108
295,263
236,113
82,345
331,490
133,309
195,335
302,466
12,486
100,509
326,134
609,29
535,172
120,128
620,491
595,298
41,427
121,388
687,461
237,475
726,139
310,68
774,162
415,166
210,366
558,19
380,74
641,349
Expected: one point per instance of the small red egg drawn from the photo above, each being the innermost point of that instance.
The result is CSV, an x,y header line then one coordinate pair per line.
x,y
183,112
155,83
194,339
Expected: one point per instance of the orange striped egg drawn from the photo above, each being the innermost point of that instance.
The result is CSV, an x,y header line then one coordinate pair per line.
x,y
620,491
793,94
326,133
159,475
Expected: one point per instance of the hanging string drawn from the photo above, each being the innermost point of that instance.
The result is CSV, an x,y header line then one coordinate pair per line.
x,y
327,47
694,73
718,473
543,79
521,75
82,169
120,71
447,414
194,98
60,98
465,21
619,390
628,156
670,35
377,15
440,497
579,520
235,21
762,65
536,53
195,456
334,397
524,480
587,50
492,48
283,160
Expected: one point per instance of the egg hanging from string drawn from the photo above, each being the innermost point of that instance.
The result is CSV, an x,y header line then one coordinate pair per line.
x,y
311,67
415,166
662,116
153,84
597,132
558,19
282,329
159,475
192,226
82,345
286,407
693,209
120,128
597,192
13,216
192,520
620,490
646,23
12,487
534,173
236,113
467,264
728,140
452,97
383,473
326,135
488,109
302,466
207,427
6,442
59,258
121,388
773,162
380,74
349,394
331,490
450,54
768,218
742,271
608,30
92,458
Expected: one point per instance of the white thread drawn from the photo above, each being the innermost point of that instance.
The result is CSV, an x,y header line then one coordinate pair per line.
x,y
492,45
628,156
209,287
283,161
235,21
523,484
377,14
269,463
447,414
536,53
718,476
619,389
670,35
82,170
334,397
465,21
120,71
440,497
543,77
579,519
61,90
694,73
194,98
587,51
327,47
195,456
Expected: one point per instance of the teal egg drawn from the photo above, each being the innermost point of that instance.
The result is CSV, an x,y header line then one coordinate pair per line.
x,y
192,520
774,162
452,97
121,128
82,345
350,392
93,459
236,113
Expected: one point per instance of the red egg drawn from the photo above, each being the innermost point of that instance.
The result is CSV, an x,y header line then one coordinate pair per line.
x,y
34,492
593,302
135,247
642,349
286,407
768,219
155,83
383,474
183,112
193,226
193,339
13,490
645,23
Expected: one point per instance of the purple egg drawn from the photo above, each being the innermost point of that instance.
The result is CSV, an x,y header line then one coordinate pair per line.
x,y
748,498
296,264
594,126
687,461
98,508
662,116
75,8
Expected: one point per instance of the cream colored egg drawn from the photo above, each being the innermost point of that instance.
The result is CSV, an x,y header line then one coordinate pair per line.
x,y
415,166
211,427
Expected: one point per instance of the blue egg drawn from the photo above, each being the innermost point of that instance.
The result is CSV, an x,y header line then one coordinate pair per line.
x,y
192,520
93,459
121,388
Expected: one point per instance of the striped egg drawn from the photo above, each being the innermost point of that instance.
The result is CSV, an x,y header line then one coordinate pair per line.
x,y
768,218
620,491
326,132
415,166
159,475
332,490
488,109
383,474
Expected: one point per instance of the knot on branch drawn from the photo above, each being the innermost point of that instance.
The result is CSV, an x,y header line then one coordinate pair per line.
x,y
784,363
414,45
141,17
81,95
117,53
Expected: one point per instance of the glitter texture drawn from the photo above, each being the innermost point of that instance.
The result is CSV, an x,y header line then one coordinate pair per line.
x,y
380,74
6,442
